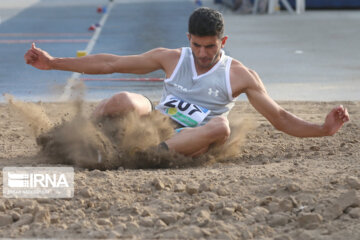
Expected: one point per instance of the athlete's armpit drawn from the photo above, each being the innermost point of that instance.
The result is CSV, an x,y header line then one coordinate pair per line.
x,y
240,78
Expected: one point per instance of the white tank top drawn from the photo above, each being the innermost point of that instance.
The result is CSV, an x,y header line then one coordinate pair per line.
x,y
209,91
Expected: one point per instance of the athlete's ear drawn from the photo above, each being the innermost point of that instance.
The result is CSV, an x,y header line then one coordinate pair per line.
x,y
189,36
223,41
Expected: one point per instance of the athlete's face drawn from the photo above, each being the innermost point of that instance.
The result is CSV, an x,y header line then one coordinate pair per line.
x,y
206,50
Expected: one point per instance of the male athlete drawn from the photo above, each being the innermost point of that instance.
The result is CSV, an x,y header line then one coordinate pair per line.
x,y
199,90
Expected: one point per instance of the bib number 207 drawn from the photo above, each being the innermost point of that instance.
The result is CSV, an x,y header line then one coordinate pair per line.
x,y
182,106
185,113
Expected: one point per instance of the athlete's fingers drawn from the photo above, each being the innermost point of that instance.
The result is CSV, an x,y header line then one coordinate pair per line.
x,y
340,113
346,116
343,113
32,55
29,61
35,49
340,108
27,57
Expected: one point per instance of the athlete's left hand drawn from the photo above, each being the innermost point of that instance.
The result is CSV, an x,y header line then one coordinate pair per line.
x,y
335,120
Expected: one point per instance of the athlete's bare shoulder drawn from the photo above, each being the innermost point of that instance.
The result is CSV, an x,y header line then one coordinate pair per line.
x,y
165,53
241,77
168,58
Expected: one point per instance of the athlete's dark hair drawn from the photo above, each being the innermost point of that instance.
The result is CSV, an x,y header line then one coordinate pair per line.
x,y
206,22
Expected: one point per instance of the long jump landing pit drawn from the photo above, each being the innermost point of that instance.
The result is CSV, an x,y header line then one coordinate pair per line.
x,y
277,186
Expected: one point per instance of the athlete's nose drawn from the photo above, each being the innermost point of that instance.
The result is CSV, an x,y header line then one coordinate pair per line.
x,y
202,52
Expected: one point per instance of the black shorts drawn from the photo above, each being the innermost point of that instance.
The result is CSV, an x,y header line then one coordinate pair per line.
x,y
151,103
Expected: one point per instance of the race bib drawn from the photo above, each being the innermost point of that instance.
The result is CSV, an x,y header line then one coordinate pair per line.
x,y
187,114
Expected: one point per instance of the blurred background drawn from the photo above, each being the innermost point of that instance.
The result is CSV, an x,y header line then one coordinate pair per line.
x,y
302,50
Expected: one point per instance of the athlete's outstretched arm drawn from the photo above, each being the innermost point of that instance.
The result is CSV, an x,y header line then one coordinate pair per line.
x,y
286,121
98,63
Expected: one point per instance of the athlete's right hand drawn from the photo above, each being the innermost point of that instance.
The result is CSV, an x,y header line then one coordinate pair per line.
x,y
38,58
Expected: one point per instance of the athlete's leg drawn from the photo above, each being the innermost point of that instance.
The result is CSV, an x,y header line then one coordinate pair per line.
x,y
195,141
122,103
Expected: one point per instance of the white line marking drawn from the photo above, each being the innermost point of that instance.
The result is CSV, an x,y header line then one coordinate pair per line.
x,y
75,76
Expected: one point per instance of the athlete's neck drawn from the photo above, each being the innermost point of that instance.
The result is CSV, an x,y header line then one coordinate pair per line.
x,y
203,69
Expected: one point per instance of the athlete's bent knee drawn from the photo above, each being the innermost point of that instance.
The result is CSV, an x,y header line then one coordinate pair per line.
x,y
219,127
120,103
124,99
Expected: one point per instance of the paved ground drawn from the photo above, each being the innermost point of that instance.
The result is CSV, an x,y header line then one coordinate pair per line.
x,y
132,27
313,56
308,57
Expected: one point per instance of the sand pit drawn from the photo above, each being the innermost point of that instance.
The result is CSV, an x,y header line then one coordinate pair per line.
x,y
272,186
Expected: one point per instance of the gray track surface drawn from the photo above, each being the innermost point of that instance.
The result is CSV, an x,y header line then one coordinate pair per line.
x,y
132,27
326,69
